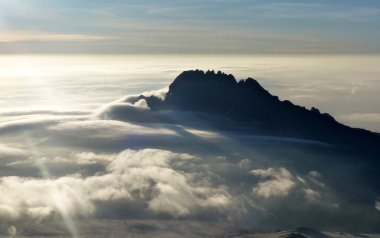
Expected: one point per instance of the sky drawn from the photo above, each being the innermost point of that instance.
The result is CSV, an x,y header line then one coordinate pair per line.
x,y
197,26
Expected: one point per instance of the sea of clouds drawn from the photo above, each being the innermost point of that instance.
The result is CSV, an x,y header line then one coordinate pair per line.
x,y
73,162
75,173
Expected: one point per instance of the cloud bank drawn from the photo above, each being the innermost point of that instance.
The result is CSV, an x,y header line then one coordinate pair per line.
x,y
61,174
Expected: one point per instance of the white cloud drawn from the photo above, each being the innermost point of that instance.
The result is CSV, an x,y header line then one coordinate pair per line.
x,y
134,176
81,159
245,164
141,104
7,151
160,93
106,128
32,121
311,195
44,36
279,182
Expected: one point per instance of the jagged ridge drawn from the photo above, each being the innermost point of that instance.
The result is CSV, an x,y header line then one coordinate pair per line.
x,y
247,101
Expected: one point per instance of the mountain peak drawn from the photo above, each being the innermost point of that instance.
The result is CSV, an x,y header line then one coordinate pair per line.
x,y
199,76
247,102
208,91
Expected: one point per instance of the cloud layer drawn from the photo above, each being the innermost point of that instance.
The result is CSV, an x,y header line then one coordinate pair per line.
x,y
60,172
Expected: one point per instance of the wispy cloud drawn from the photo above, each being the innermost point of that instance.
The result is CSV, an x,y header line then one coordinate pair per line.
x,y
362,117
19,36
199,26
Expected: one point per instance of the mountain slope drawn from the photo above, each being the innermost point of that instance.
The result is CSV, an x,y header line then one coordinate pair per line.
x,y
248,102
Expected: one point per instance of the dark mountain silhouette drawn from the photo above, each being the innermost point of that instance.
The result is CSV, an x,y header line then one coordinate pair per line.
x,y
247,102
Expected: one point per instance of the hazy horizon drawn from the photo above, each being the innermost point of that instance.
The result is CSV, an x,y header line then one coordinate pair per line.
x,y
291,77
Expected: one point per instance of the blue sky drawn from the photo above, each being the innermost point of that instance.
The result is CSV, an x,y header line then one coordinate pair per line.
x,y
207,26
